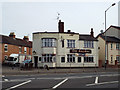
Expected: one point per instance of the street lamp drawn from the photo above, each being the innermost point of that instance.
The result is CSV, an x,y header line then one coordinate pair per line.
x,y
105,36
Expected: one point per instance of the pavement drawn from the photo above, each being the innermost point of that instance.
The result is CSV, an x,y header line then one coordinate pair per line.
x,y
6,70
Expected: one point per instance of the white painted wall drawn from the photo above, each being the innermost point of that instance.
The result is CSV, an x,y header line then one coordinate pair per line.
x,y
59,51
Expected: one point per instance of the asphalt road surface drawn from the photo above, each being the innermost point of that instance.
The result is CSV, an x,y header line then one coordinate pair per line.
x,y
56,81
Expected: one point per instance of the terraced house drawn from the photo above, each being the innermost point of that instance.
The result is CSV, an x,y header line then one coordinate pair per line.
x,y
12,45
113,46
64,49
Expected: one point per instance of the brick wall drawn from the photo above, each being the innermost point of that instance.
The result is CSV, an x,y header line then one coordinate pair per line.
x,y
13,49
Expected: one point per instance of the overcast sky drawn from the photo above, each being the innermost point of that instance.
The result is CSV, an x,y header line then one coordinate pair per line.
x,y
24,18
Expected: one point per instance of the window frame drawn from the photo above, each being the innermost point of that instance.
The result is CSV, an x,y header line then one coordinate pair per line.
x,y
70,43
88,44
5,47
71,58
48,42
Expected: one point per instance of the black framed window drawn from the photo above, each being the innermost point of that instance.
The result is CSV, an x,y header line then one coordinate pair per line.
x,y
70,58
79,59
88,59
62,59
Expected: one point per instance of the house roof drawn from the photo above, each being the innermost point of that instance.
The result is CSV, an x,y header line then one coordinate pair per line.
x,y
110,39
87,37
15,41
117,27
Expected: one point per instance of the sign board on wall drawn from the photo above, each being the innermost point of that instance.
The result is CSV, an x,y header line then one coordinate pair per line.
x,y
80,51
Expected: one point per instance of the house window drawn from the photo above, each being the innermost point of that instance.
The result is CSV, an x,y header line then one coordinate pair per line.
x,y
88,59
88,44
48,58
70,58
5,57
25,49
62,59
39,58
6,48
111,59
117,46
79,59
111,46
118,58
71,43
48,42
20,49
62,43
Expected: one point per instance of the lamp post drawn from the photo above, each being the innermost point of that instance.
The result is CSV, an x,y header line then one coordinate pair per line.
x,y
105,36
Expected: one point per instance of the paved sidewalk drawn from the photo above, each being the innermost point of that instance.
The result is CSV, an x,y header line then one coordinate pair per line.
x,y
17,71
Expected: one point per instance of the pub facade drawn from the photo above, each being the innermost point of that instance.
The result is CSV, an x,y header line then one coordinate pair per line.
x,y
64,49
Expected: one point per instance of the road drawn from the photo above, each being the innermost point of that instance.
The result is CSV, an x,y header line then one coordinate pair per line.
x,y
56,81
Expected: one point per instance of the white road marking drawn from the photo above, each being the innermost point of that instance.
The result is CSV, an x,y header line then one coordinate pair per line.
x,y
19,85
5,79
60,83
96,80
102,83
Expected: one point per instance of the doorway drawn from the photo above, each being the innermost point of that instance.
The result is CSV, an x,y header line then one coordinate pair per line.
x,y
36,61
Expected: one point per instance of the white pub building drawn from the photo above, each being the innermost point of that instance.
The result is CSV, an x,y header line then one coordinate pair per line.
x,y
64,49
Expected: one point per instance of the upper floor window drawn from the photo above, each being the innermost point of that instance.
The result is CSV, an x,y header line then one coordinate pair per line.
x,y
70,58
25,49
48,42
88,44
111,46
6,48
71,43
20,49
117,46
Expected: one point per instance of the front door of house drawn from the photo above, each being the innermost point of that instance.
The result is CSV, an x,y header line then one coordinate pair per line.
x,y
36,61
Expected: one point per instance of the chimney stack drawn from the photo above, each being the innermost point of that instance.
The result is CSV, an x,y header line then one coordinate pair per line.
x,y
61,26
69,31
12,34
26,38
92,33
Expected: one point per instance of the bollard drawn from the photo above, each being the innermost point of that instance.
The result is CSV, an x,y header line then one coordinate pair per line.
x,y
95,68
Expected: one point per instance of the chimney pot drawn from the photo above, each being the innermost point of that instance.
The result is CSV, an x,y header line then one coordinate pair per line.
x,y
26,38
69,31
12,34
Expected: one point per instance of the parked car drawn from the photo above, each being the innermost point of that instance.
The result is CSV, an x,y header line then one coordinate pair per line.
x,y
26,63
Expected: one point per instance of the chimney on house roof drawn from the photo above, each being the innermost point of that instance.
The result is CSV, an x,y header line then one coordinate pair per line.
x,y
12,34
61,26
69,31
26,38
92,33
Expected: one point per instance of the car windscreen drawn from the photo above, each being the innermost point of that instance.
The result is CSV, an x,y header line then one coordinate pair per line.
x,y
27,61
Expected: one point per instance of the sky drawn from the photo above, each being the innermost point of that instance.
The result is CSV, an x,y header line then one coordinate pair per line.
x,y
24,18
